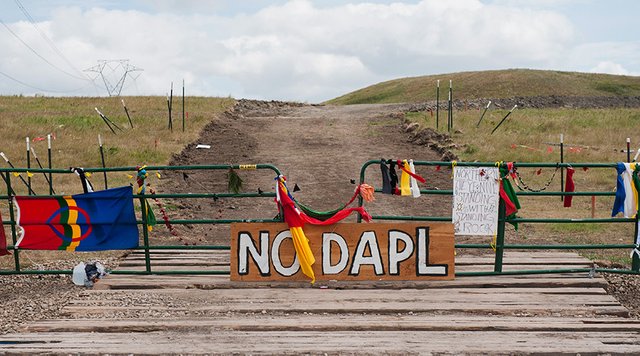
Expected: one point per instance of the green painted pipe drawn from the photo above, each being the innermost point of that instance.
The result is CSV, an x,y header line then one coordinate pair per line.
x,y
519,272
519,220
551,247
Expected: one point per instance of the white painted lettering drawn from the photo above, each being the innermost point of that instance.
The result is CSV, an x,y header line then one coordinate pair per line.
x,y
368,238
275,256
395,256
246,247
327,239
423,267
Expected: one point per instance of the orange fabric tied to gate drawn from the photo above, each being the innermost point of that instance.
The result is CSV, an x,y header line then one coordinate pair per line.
x,y
296,220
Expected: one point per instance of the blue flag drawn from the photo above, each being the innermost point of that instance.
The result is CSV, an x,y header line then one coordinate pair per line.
x,y
96,221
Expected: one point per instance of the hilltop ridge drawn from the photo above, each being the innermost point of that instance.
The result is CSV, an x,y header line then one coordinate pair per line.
x,y
497,84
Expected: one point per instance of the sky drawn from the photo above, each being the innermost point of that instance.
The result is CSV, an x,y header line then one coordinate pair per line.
x,y
299,50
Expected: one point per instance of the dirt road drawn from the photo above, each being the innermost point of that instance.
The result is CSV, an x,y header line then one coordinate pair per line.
x,y
319,148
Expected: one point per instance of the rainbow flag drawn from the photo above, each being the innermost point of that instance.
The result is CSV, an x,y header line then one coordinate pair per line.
x,y
95,221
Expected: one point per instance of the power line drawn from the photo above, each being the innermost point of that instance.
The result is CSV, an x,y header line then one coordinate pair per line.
x,y
45,37
41,89
38,54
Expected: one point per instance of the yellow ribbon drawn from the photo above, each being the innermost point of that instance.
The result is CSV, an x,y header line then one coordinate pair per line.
x,y
405,179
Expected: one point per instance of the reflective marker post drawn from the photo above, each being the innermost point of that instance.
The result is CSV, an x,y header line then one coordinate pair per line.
x,y
483,112
127,112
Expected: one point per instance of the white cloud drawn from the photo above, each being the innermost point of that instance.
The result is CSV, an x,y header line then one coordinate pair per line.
x,y
603,57
609,68
294,50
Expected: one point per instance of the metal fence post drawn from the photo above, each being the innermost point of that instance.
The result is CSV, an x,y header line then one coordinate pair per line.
x,y
438,106
561,168
145,234
14,235
50,164
628,150
635,259
497,267
28,166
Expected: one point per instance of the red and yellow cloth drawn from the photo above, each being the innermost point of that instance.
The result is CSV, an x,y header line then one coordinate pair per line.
x,y
296,219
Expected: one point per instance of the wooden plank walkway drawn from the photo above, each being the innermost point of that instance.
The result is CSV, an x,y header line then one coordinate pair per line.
x,y
198,314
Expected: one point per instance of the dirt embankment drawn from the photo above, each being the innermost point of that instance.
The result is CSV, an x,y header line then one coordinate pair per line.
x,y
538,102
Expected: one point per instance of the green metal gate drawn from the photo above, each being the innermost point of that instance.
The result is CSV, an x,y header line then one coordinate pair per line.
x,y
500,245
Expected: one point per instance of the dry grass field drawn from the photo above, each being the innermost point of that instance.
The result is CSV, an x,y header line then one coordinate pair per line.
x,y
76,126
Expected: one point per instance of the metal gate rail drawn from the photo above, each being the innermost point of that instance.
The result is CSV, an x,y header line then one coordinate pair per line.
x,y
500,244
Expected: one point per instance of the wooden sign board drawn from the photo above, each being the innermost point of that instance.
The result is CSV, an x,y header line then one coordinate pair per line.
x,y
348,251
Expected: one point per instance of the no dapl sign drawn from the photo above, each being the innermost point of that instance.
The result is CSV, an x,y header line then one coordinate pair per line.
x,y
476,193
346,251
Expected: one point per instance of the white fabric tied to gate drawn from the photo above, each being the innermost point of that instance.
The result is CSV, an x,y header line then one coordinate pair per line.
x,y
636,250
87,187
415,189
630,202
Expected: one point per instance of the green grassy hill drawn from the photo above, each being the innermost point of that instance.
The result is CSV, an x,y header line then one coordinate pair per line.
x,y
494,84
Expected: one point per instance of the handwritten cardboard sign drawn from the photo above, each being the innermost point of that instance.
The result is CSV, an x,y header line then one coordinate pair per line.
x,y
476,194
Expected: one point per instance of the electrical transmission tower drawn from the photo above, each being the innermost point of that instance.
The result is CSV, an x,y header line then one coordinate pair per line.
x,y
114,72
